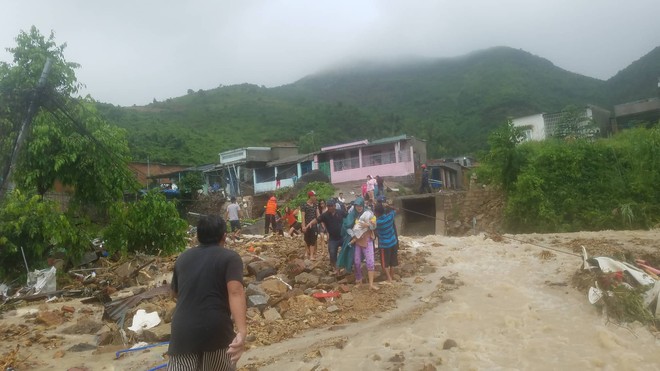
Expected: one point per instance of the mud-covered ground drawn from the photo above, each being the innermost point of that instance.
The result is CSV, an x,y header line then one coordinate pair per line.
x,y
479,302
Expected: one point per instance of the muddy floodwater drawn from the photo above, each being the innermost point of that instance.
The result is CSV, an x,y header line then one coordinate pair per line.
x,y
513,308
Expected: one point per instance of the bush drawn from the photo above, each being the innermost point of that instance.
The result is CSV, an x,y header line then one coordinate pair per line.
x,y
323,192
36,224
578,184
151,225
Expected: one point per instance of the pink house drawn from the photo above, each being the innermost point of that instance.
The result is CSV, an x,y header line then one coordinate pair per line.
x,y
388,157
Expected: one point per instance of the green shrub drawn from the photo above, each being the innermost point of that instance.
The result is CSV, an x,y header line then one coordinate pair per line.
x,y
150,225
578,184
323,192
36,224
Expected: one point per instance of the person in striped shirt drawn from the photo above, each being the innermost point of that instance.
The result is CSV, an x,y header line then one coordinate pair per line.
x,y
388,242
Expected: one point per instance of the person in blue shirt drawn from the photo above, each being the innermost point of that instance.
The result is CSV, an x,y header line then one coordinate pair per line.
x,y
388,242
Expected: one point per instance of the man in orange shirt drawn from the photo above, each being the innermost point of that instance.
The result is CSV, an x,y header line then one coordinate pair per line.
x,y
271,211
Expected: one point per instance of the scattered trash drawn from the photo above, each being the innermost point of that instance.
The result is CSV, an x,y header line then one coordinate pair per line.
x,y
144,321
43,281
628,293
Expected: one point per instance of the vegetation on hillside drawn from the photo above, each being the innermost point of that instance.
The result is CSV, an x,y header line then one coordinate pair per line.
x,y
452,103
566,185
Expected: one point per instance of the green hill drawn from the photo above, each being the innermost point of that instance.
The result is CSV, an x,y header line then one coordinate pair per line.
x,y
637,81
453,103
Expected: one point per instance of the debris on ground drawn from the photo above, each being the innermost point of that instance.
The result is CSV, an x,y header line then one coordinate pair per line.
x,y
626,288
286,295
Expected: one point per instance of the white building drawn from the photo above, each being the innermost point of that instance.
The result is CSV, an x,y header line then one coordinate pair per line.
x,y
594,121
533,126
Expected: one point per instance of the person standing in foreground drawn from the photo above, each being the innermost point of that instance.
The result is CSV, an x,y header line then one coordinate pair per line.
x,y
387,239
234,217
310,211
333,220
208,285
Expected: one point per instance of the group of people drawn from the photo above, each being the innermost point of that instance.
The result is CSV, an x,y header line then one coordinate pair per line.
x,y
374,187
209,325
352,235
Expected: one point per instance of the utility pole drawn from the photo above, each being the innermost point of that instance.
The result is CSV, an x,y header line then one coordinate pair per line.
x,y
7,184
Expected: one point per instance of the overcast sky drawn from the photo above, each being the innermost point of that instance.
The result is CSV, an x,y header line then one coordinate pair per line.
x,y
133,51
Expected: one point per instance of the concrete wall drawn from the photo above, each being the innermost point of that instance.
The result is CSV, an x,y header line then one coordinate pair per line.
x,y
398,169
533,125
450,213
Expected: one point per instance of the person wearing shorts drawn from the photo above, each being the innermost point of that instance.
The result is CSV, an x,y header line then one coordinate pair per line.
x,y
208,284
234,216
388,242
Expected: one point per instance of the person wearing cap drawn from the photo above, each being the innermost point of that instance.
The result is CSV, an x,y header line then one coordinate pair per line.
x,y
332,218
310,211
425,186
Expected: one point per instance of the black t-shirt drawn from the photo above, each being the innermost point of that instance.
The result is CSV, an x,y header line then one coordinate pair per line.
x,y
310,212
333,223
202,318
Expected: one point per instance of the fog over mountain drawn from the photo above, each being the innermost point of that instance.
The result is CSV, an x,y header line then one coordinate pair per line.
x,y
134,52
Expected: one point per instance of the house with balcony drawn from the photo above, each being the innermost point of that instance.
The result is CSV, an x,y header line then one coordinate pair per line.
x,y
287,170
395,157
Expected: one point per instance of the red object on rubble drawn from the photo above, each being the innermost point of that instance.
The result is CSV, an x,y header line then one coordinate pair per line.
x,y
331,294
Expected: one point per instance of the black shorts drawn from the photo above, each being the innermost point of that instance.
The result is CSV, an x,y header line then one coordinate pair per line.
x,y
235,225
296,226
389,257
310,236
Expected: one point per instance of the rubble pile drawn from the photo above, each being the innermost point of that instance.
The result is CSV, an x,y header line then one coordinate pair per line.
x,y
286,295
624,286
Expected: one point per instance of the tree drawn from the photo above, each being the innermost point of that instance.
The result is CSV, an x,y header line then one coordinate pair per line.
x,y
309,143
68,141
75,146
503,162
19,79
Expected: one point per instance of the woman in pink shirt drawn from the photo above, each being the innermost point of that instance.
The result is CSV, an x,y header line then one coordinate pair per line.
x,y
371,185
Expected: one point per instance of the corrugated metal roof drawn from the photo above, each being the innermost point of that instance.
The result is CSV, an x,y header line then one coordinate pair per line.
x,y
389,140
202,168
291,159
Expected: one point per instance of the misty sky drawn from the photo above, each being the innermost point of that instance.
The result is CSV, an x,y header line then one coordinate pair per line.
x,y
134,51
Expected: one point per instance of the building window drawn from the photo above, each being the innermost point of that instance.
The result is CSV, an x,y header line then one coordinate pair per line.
x,y
266,174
